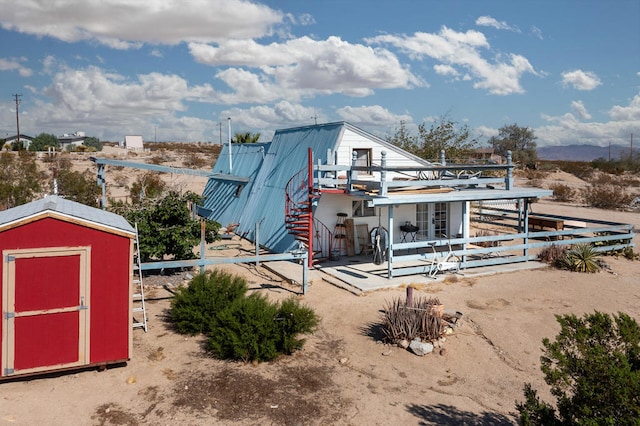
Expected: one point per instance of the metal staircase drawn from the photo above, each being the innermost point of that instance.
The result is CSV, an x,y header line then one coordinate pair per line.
x,y
139,309
300,196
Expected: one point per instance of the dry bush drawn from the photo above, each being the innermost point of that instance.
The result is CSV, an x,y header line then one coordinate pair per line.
x,y
423,319
486,233
607,196
195,160
552,254
562,192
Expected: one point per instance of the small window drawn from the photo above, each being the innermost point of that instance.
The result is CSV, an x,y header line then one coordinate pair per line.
x,y
363,159
360,209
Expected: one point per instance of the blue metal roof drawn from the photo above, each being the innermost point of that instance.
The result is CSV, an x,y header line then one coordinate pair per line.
x,y
262,200
224,199
72,209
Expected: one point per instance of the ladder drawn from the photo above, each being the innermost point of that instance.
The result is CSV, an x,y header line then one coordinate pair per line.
x,y
138,294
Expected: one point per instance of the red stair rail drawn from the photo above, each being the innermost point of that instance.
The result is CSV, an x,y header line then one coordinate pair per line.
x,y
299,220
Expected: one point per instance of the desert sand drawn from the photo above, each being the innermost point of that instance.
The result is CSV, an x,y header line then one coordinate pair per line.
x,y
344,375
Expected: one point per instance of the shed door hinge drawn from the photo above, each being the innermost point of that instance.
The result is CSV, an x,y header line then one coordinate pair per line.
x,y
8,315
82,305
8,371
9,258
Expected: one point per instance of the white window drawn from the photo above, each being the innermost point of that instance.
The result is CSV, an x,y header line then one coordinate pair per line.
x,y
363,159
359,208
433,220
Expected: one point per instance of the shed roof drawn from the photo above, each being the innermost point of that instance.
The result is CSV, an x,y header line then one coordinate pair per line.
x,y
56,206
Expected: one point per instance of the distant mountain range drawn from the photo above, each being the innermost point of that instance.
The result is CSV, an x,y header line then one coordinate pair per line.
x,y
584,152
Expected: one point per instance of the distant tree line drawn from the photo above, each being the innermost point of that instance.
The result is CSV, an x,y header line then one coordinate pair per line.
x,y
458,144
46,141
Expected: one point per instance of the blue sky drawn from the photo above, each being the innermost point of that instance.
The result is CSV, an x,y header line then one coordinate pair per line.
x,y
175,70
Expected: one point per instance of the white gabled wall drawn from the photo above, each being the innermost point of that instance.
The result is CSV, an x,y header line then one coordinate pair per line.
x,y
352,140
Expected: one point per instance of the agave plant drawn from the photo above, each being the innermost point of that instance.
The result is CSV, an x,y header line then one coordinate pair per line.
x,y
582,258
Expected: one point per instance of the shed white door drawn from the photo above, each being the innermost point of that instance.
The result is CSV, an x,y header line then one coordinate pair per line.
x,y
45,309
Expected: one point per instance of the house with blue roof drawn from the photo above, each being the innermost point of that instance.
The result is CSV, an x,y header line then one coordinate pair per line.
x,y
331,188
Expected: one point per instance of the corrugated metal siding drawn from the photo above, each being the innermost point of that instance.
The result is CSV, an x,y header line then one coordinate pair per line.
x,y
286,156
221,202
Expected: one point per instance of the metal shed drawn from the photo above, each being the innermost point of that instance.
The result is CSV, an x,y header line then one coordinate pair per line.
x,y
66,287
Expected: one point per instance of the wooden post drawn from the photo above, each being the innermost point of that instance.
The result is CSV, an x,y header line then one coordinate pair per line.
x,y
409,302
203,229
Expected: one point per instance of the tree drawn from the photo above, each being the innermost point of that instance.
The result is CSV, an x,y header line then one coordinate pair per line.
x,y
19,179
93,142
44,141
444,135
245,137
77,186
593,368
148,186
519,140
166,227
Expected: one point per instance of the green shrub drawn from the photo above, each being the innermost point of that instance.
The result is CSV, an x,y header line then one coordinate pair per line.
x,y
239,327
292,320
254,329
245,331
593,368
194,306
581,258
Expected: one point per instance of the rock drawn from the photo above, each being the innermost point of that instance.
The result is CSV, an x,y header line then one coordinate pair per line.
x,y
188,276
421,348
448,330
443,352
404,343
386,353
343,360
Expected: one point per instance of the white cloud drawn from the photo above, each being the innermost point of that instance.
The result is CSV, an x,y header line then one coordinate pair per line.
x,y
581,80
445,70
537,32
629,113
303,67
371,116
105,104
579,108
15,64
488,21
281,115
125,25
568,129
463,50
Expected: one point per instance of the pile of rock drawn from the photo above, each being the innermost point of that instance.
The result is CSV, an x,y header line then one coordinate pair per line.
x,y
419,347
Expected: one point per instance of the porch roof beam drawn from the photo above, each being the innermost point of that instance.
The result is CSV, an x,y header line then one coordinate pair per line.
x,y
460,195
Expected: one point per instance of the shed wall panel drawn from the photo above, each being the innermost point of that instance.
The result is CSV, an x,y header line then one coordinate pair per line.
x,y
110,317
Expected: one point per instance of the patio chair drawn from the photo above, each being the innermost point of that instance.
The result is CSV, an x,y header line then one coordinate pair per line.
x,y
364,238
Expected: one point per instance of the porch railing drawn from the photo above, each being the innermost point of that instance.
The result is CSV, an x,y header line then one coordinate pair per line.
x,y
332,176
519,246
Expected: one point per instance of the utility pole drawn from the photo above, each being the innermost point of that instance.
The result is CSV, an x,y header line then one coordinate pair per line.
x,y
631,149
17,99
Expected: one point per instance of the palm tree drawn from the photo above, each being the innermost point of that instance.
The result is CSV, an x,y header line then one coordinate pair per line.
x,y
245,137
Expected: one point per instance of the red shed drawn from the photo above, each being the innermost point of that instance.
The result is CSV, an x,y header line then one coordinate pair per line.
x,y
66,287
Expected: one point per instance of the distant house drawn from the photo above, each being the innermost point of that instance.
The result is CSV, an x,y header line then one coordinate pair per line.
x,y
486,155
26,140
133,142
71,139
